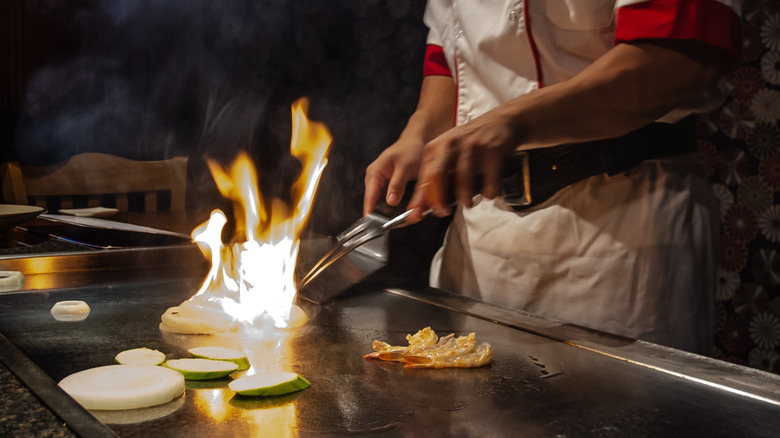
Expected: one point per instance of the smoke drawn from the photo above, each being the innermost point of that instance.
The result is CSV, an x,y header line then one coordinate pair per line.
x,y
150,79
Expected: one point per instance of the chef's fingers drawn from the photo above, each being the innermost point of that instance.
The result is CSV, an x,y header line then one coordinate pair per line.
x,y
373,192
491,174
377,175
435,176
464,174
397,186
416,204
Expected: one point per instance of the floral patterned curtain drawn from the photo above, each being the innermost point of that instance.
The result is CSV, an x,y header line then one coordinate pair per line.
x,y
740,150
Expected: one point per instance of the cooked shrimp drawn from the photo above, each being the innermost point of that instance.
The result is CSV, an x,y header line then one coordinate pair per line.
x,y
418,342
481,356
427,350
385,351
449,346
423,339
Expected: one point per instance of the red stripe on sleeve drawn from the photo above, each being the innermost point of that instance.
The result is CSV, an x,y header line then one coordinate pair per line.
x,y
435,62
703,20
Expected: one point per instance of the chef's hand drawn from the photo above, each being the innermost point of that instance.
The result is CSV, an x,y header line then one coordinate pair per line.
x,y
458,156
394,167
400,163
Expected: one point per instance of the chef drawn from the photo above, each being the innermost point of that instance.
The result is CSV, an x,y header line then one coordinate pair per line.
x,y
589,104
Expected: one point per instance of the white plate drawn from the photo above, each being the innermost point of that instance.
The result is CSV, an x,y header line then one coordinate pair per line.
x,y
12,215
90,212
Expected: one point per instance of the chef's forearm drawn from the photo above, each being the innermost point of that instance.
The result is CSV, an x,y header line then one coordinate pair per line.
x,y
628,87
435,109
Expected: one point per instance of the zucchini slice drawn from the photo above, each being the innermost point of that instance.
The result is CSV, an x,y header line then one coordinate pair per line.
x,y
266,384
221,353
201,369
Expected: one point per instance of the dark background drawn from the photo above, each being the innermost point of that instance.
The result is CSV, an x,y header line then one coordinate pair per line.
x,y
152,79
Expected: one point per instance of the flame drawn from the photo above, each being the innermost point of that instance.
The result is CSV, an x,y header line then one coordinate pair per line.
x,y
252,281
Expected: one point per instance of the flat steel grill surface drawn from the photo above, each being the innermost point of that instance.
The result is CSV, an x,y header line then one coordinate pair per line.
x,y
536,386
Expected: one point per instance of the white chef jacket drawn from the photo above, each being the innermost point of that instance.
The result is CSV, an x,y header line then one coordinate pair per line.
x,y
631,254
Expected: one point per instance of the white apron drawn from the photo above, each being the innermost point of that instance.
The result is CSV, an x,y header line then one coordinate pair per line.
x,y
628,254
632,254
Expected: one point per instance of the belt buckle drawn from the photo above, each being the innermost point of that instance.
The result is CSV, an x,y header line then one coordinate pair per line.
x,y
516,187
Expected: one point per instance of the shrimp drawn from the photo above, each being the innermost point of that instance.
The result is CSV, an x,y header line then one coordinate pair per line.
x,y
418,342
448,346
481,356
427,350
423,339
385,351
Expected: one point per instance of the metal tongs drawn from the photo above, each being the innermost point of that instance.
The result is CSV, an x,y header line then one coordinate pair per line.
x,y
515,190
368,228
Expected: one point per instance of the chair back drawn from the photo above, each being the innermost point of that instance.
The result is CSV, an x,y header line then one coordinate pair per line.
x,y
97,176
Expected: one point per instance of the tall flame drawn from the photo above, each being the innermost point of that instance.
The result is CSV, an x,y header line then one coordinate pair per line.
x,y
252,282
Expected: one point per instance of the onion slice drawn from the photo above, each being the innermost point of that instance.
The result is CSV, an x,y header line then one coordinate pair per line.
x,y
140,356
116,387
71,310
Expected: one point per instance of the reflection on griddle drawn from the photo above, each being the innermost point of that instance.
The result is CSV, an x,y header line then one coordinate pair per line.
x,y
133,416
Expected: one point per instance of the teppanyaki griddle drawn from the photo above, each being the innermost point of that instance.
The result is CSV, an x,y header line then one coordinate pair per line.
x,y
546,379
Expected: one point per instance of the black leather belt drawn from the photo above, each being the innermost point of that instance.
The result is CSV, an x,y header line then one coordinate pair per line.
x,y
534,175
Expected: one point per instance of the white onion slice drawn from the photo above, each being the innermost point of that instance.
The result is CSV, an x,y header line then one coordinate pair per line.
x,y
115,387
140,356
72,310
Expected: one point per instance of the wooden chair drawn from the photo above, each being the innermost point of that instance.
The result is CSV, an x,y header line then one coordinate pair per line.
x,y
95,176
